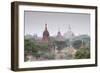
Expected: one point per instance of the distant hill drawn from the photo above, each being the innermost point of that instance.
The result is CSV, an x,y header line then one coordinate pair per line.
x,y
84,38
80,37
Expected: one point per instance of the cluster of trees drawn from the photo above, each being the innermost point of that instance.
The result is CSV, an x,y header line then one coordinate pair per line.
x,y
34,48
60,44
82,53
39,49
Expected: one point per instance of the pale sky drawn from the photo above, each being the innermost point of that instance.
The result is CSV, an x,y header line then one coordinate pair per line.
x,y
35,23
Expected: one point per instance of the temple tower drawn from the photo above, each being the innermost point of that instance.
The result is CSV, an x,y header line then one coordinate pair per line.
x,y
45,35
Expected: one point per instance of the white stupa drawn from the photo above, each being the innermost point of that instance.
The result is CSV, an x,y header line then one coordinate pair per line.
x,y
69,34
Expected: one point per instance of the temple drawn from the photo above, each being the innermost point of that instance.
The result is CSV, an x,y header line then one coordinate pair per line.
x,y
46,35
69,34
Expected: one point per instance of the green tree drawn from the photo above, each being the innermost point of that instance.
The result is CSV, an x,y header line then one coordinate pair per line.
x,y
77,44
29,45
82,53
60,44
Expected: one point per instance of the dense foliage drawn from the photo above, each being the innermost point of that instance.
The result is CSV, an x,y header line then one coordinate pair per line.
x,y
82,53
39,50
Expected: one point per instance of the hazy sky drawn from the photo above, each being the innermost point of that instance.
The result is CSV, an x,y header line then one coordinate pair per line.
x,y
35,22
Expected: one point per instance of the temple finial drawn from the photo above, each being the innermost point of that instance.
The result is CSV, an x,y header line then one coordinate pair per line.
x,y
45,26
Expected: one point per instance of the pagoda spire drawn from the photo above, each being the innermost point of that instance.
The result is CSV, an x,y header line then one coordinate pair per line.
x,y
59,33
45,34
45,26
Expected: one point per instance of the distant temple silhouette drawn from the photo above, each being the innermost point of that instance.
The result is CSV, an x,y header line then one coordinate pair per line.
x,y
59,34
69,33
46,35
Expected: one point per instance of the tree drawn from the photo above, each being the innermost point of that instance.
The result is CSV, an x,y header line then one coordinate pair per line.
x,y
67,42
29,45
77,44
60,44
82,53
